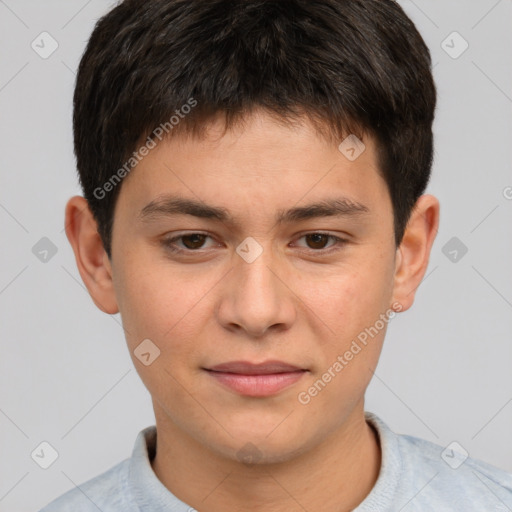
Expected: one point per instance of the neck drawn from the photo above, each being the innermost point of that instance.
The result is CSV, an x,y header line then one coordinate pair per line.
x,y
334,476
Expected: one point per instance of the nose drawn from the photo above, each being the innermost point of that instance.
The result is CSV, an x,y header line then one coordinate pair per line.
x,y
255,298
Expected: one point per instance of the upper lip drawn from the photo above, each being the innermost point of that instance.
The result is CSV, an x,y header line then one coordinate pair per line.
x,y
248,368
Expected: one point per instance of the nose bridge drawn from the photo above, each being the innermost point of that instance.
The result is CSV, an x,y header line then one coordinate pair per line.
x,y
257,280
256,299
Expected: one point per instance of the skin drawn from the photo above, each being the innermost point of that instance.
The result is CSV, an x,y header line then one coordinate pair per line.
x,y
297,302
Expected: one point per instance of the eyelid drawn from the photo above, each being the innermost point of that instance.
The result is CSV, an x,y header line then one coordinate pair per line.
x,y
169,241
338,241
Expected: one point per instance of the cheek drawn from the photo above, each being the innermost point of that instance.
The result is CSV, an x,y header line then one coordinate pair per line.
x,y
350,352
351,303
143,306
163,304
160,308
349,297
146,291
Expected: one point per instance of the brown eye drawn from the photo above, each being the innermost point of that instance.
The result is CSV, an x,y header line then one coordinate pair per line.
x,y
317,240
194,241
186,244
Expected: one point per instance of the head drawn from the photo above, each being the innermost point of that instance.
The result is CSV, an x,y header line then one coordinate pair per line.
x,y
253,173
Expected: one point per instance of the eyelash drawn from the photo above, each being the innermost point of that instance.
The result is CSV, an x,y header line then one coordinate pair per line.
x,y
339,243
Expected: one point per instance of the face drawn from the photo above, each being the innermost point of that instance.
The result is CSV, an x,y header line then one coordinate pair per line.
x,y
247,247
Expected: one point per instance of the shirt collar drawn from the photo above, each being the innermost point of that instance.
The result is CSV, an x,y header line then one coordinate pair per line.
x,y
148,492
152,496
382,495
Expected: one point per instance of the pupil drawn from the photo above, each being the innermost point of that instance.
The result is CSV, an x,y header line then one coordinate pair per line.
x,y
193,241
317,240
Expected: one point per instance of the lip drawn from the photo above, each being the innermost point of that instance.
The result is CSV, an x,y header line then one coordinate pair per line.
x,y
257,380
248,368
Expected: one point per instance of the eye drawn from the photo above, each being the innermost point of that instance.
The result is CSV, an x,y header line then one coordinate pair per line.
x,y
194,241
190,242
320,241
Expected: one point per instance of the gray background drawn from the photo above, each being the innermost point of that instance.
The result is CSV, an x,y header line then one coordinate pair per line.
x,y
66,376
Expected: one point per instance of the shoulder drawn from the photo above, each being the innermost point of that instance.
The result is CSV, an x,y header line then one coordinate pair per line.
x,y
106,492
418,475
448,476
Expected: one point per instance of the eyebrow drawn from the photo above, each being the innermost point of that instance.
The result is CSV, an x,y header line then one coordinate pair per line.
x,y
167,206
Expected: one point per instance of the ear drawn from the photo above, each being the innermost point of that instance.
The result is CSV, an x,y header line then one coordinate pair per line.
x,y
91,259
414,252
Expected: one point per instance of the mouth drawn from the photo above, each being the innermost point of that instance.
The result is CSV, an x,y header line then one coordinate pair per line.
x,y
256,380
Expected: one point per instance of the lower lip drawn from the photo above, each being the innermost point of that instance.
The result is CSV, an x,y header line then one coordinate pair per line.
x,y
257,385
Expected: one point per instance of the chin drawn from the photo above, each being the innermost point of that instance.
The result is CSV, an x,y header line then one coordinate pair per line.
x,y
267,446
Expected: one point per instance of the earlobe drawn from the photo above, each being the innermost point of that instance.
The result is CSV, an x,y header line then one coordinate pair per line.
x,y
414,252
91,258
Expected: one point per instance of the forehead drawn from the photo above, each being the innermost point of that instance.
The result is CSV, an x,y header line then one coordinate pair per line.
x,y
261,162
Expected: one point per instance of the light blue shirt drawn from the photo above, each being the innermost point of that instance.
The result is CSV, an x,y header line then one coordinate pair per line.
x,y
415,475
